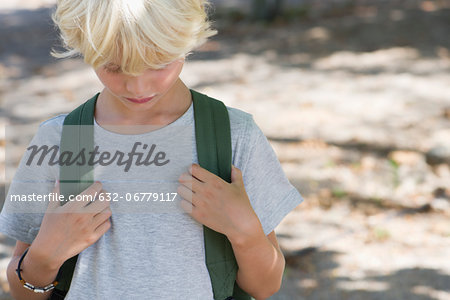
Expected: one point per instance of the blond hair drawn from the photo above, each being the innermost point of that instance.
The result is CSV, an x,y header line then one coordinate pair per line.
x,y
134,34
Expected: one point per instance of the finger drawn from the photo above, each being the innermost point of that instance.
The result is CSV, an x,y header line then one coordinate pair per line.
x,y
101,217
98,204
85,195
202,174
103,227
190,182
187,206
185,193
91,193
106,210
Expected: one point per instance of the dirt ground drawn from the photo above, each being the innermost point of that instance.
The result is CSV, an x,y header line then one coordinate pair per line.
x,y
355,100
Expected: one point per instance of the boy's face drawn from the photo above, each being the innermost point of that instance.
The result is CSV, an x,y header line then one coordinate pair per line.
x,y
139,92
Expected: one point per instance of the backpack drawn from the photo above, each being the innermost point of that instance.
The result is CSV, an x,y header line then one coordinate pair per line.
x,y
213,141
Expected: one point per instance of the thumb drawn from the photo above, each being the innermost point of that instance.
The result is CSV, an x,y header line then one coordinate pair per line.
x,y
236,175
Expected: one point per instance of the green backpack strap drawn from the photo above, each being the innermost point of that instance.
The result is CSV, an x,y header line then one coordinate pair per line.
x,y
213,139
75,179
213,136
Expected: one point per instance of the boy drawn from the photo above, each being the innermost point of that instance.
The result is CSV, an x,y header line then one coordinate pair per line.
x,y
137,49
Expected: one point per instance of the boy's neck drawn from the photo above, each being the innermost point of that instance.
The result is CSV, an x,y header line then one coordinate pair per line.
x,y
111,111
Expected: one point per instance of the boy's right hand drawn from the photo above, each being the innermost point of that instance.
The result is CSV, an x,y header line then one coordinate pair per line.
x,y
69,229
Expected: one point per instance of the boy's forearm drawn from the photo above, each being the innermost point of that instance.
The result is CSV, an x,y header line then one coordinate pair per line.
x,y
32,272
261,264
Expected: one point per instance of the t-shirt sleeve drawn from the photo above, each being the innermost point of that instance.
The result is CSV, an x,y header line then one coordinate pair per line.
x,y
271,194
23,207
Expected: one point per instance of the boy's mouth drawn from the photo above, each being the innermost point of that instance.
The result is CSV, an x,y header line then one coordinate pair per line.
x,y
142,100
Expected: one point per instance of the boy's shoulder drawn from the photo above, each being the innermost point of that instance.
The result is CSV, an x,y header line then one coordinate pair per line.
x,y
49,131
238,116
242,123
54,121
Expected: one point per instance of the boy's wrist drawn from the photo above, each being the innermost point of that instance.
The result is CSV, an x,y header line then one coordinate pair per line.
x,y
40,258
35,272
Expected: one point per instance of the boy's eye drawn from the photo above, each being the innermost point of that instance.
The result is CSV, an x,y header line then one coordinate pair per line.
x,y
115,70
110,68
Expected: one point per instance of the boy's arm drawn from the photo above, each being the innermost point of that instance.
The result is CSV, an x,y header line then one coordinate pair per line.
x,y
225,208
261,263
64,232
34,272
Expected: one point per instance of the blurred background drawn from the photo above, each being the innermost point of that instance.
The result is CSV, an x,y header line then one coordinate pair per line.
x,y
354,97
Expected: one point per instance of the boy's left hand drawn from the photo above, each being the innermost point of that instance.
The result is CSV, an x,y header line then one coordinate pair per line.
x,y
217,204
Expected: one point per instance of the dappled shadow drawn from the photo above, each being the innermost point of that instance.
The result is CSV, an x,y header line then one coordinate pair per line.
x,y
386,26
409,283
7,244
5,241
311,273
2,194
28,36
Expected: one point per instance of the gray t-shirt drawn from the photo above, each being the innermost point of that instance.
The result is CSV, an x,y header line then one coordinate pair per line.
x,y
157,255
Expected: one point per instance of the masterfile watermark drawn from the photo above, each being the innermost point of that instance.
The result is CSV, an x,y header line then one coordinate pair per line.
x,y
108,197
104,158
139,171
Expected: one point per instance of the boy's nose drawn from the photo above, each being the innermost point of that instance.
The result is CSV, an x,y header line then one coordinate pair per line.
x,y
137,87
